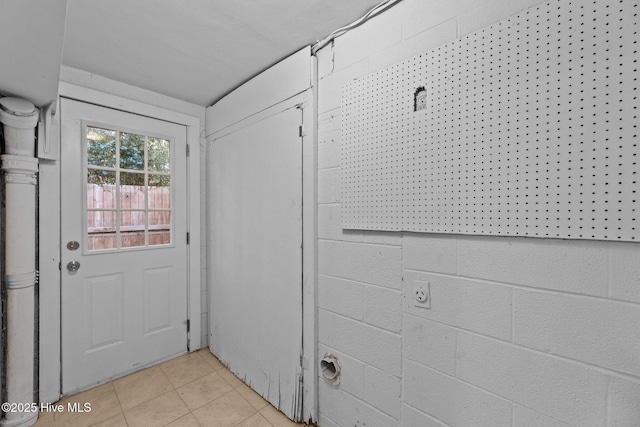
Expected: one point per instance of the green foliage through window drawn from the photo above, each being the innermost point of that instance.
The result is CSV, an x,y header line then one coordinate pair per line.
x,y
101,147
132,152
101,152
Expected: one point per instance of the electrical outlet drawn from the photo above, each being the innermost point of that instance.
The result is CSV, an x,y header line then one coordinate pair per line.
x,y
422,294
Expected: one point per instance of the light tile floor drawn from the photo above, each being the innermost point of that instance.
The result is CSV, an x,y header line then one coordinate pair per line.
x,y
191,390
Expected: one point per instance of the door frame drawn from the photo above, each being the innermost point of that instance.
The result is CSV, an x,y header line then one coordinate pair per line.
x,y
50,244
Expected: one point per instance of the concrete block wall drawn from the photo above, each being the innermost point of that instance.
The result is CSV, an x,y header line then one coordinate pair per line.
x,y
521,332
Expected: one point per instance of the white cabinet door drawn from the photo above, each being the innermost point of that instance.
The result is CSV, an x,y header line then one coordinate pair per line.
x,y
124,253
255,199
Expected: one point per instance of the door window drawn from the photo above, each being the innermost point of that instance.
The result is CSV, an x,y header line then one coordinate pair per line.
x,y
128,178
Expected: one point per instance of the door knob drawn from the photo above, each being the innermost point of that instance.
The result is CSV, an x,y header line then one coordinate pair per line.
x,y
73,266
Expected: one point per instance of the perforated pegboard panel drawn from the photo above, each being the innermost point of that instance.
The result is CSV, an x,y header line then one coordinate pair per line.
x,y
529,127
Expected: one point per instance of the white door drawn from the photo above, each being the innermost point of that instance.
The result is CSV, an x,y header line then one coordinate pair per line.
x,y
256,256
124,253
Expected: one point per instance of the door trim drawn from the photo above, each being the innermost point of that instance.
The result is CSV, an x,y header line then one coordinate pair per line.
x,y
50,244
310,399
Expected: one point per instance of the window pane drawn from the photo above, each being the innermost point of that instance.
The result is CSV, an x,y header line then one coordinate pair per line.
x,y
159,228
131,178
101,147
131,239
132,220
131,151
101,177
132,225
159,154
159,181
159,197
159,238
161,219
98,242
101,221
101,228
159,192
101,189
131,191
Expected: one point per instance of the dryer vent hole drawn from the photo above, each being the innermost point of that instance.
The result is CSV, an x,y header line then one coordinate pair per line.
x,y
330,368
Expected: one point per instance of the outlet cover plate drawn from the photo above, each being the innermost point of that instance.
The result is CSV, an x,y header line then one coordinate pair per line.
x,y
422,294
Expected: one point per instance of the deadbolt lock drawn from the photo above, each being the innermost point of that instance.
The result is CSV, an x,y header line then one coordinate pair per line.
x,y
73,245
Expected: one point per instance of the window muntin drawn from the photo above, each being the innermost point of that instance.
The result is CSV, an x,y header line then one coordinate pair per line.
x,y
128,184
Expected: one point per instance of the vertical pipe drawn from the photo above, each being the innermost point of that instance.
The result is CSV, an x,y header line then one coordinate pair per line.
x,y
19,168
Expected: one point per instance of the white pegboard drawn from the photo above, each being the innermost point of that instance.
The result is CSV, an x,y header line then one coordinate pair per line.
x,y
529,128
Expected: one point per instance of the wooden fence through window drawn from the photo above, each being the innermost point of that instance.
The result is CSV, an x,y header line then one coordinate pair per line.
x,y
101,216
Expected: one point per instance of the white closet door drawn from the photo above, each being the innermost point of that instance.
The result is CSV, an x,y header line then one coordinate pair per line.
x,y
255,193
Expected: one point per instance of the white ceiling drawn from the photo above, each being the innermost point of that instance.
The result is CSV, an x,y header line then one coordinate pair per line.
x,y
195,50
31,37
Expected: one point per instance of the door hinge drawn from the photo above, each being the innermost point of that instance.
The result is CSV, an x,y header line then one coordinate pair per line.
x,y
188,237
187,150
188,325
301,131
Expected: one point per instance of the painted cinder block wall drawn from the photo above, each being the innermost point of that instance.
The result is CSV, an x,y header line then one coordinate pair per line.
x,y
522,331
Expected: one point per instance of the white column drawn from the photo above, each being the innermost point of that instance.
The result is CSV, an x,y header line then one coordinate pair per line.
x,y
19,172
